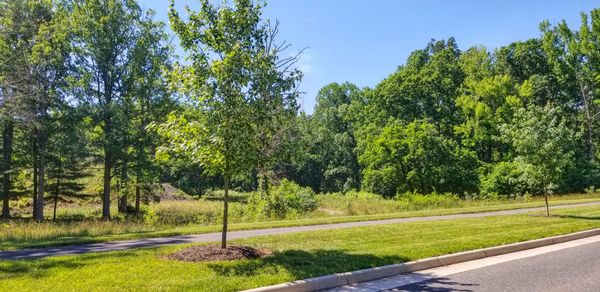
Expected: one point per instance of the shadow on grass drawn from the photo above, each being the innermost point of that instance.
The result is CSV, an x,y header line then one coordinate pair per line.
x,y
305,264
41,268
15,244
437,285
579,217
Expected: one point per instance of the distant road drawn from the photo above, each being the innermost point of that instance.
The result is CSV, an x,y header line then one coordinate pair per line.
x,y
214,237
572,269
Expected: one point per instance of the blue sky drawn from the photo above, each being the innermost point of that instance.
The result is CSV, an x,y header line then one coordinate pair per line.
x,y
364,41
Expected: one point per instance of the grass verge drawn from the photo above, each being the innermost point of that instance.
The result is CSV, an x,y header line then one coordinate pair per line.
x,y
30,234
297,256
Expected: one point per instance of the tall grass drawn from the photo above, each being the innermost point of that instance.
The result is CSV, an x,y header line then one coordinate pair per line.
x,y
364,203
190,212
29,231
174,217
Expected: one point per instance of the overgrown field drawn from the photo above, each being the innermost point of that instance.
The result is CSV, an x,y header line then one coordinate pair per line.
x,y
78,224
297,256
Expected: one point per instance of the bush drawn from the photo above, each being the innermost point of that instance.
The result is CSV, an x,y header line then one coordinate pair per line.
x,y
507,179
283,199
150,217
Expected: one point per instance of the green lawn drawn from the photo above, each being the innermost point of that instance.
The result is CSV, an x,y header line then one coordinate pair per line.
x,y
29,234
298,256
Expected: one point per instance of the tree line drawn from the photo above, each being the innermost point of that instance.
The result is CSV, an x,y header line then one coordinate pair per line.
x,y
521,119
80,81
95,85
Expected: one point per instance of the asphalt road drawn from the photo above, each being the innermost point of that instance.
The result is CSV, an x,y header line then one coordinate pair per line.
x,y
214,237
571,269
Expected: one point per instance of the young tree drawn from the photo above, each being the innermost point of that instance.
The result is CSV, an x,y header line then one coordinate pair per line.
x,y
542,140
233,68
67,155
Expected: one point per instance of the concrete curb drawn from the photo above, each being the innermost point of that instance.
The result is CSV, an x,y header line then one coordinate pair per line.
x,y
348,278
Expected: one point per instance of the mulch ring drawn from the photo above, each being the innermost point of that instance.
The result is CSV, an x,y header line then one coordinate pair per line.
x,y
206,253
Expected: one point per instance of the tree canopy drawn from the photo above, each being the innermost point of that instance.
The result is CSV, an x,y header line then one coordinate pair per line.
x,y
94,88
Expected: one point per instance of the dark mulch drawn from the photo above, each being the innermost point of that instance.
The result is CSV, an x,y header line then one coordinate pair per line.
x,y
208,253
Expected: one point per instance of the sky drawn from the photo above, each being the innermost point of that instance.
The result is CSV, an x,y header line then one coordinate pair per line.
x,y
362,42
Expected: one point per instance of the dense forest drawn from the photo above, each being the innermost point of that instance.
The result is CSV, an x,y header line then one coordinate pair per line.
x,y
94,89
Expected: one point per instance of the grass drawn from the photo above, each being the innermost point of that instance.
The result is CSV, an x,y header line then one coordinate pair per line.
x,y
26,234
297,256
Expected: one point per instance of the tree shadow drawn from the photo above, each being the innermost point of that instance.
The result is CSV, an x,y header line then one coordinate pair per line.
x,y
41,268
305,264
437,285
13,269
579,217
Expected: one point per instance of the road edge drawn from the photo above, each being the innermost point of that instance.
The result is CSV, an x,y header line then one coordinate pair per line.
x,y
349,278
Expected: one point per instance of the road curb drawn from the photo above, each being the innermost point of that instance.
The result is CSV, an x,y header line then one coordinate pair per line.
x,y
348,278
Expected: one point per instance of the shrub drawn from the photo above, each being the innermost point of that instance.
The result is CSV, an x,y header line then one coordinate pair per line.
x,y
283,199
507,179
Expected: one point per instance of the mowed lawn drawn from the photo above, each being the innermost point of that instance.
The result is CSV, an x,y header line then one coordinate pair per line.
x,y
297,256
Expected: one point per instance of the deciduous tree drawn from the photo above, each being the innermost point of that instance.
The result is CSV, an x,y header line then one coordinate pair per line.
x,y
233,68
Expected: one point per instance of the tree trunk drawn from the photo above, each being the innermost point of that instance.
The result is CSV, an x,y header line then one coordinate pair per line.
x,y
123,193
123,203
264,183
546,201
589,120
106,187
39,212
56,192
7,149
404,176
137,197
140,154
108,153
225,210
590,141
35,172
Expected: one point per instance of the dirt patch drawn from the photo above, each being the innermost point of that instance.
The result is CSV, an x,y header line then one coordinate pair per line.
x,y
208,253
171,193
